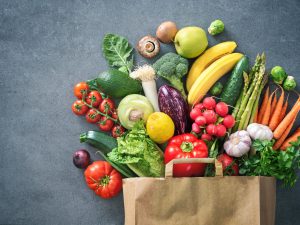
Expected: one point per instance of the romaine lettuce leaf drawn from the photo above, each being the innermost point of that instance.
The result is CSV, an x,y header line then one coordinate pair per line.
x,y
139,152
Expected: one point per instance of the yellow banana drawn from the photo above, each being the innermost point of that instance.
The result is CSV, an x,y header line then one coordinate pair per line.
x,y
210,75
207,58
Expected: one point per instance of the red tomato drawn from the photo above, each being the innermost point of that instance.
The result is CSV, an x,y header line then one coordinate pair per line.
x,y
79,108
195,112
221,130
230,168
81,89
115,115
186,146
103,179
209,103
94,98
228,121
210,116
92,116
117,131
107,106
105,124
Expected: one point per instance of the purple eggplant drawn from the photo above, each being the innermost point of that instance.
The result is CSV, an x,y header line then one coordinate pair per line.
x,y
173,104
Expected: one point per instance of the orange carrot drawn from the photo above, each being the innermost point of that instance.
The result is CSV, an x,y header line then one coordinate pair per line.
x,y
280,141
283,111
273,105
255,116
274,121
287,120
267,112
263,106
292,138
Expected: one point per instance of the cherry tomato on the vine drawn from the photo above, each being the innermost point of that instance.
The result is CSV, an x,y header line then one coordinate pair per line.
x,y
115,115
79,108
92,116
94,98
107,106
105,124
81,89
117,131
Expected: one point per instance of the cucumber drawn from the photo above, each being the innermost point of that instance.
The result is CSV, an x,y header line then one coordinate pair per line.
x,y
234,84
115,83
105,144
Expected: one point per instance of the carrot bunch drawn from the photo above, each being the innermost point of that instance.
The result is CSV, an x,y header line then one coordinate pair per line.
x,y
273,114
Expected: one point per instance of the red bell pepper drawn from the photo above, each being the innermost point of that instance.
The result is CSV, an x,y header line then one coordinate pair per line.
x,y
186,146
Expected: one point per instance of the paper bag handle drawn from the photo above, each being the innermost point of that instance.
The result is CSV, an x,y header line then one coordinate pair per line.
x,y
218,165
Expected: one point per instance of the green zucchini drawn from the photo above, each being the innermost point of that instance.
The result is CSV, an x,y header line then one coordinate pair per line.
x,y
105,144
234,84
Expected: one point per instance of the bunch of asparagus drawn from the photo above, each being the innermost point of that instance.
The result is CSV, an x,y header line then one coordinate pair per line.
x,y
248,101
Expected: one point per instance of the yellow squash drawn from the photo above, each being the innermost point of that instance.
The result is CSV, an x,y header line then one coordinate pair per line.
x,y
211,75
207,58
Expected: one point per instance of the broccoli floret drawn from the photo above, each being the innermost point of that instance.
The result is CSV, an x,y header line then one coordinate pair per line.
x,y
172,67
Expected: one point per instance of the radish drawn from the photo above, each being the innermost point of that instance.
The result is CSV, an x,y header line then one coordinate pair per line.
x,y
228,121
209,103
221,130
211,129
206,137
196,128
230,168
200,121
221,109
210,116
199,106
195,112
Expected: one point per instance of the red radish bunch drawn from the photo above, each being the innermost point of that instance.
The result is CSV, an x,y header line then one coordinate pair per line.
x,y
211,119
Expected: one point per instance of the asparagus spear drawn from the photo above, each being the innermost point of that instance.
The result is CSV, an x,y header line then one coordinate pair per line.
x,y
242,95
260,60
257,99
254,95
251,88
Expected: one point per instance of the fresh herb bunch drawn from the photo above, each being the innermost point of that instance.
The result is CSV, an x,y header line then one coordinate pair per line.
x,y
267,162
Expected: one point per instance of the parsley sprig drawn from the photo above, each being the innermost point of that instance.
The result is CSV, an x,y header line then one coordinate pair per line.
x,y
282,165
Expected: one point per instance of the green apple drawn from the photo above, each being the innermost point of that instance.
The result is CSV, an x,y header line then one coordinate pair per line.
x,y
190,42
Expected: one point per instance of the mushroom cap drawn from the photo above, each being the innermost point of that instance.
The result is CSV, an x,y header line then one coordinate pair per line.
x,y
148,46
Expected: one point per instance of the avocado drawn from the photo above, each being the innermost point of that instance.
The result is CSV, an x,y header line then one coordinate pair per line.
x,y
118,84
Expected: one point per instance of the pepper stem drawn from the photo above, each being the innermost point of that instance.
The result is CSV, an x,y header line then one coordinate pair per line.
x,y
186,146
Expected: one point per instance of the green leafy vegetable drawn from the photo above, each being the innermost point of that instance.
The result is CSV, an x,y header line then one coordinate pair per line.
x,y
139,152
268,162
117,51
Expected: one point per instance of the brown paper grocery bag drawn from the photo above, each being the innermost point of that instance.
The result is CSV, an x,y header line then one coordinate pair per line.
x,y
199,200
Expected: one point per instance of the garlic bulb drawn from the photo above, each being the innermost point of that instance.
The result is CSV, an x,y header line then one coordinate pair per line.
x,y
260,132
238,144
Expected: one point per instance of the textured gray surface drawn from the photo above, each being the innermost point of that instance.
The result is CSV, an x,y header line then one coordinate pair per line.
x,y
48,46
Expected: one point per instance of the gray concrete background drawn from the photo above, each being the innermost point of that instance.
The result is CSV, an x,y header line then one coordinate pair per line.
x,y
48,46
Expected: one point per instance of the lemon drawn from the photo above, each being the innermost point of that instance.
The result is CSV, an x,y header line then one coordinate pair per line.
x,y
160,127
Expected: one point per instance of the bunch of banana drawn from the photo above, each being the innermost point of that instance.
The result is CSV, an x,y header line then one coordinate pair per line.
x,y
210,67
